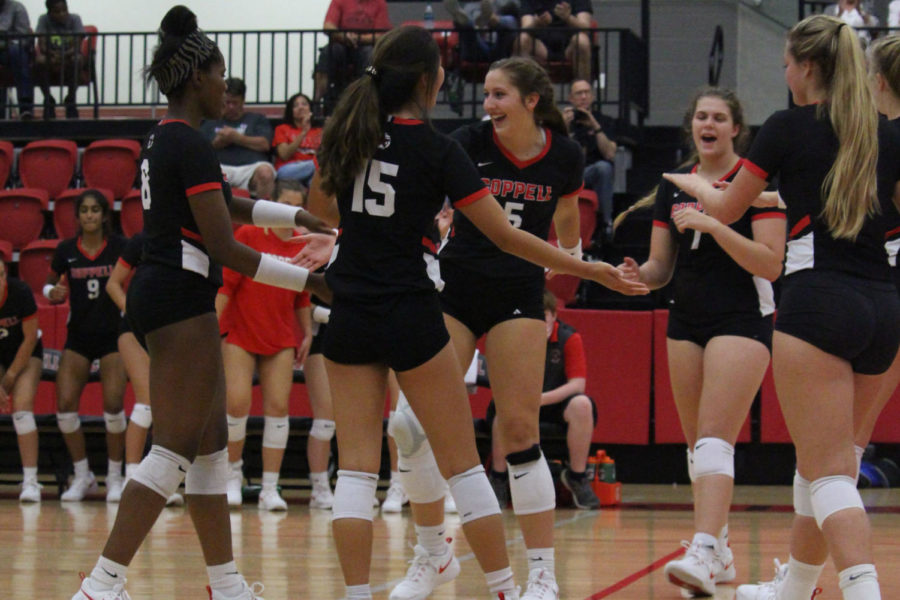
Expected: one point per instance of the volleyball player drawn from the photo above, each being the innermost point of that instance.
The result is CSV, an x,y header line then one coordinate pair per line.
x,y
86,262
21,358
171,305
838,322
719,333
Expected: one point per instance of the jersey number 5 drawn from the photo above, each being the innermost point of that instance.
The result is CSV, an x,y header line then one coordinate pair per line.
x,y
145,184
372,206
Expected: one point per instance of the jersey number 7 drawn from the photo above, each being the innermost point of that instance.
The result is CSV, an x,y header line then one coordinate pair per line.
x,y
363,185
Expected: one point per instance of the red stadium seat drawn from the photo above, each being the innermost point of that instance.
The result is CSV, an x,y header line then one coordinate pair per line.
x,y
65,221
34,264
48,165
131,215
564,287
6,251
111,164
587,217
22,215
6,161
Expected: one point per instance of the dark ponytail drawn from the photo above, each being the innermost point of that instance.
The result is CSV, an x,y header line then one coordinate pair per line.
x,y
530,78
182,49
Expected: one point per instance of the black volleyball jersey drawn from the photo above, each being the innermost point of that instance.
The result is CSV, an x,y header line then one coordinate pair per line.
x,y
387,214
16,306
178,162
800,146
91,308
528,192
888,175
707,281
133,252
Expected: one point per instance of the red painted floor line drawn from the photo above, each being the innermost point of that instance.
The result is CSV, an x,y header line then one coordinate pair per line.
x,y
636,575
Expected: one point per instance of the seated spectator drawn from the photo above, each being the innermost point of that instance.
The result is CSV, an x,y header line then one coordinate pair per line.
x,y
349,50
58,61
486,31
242,141
855,15
15,54
594,132
296,141
553,33
563,402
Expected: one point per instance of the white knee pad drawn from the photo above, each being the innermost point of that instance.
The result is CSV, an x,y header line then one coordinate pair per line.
x,y
474,497
421,479
832,494
690,465
322,429
530,482
68,422
23,422
162,471
115,422
141,415
802,501
237,428
353,495
406,430
275,432
208,475
713,456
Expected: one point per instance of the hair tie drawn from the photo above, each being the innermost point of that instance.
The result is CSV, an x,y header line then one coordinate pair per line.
x,y
373,73
838,29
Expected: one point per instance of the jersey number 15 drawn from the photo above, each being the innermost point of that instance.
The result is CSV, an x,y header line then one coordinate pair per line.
x,y
363,185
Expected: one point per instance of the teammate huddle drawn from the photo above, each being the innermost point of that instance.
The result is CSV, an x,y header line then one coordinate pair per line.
x,y
384,173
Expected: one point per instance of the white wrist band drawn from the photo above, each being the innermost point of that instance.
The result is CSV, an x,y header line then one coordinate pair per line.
x,y
574,250
320,314
272,271
46,290
274,214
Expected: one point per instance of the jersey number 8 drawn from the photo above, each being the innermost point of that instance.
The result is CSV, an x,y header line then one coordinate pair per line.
x,y
384,208
145,184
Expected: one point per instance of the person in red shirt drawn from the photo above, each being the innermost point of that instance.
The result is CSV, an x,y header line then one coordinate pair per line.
x,y
258,323
353,26
296,140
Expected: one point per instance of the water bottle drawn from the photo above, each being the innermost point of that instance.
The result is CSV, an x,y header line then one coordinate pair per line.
x,y
607,470
429,16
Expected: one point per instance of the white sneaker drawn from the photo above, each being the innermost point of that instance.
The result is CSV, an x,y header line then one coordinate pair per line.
x,y
764,590
234,488
88,591
425,573
249,592
79,487
271,500
512,594
321,498
31,490
541,586
449,505
726,560
394,499
115,483
175,499
696,571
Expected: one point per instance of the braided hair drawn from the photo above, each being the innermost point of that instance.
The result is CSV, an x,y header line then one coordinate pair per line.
x,y
183,48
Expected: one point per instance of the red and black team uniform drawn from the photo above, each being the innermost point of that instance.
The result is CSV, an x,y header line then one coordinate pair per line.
x,y
892,236
260,318
17,305
93,324
132,255
385,307
507,286
712,294
837,293
177,279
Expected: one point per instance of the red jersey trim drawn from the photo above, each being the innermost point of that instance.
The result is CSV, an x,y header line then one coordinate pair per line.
x,y
124,262
576,192
402,121
892,233
84,252
756,170
769,215
800,226
203,187
191,235
662,224
472,198
29,317
524,163
429,244
724,177
167,121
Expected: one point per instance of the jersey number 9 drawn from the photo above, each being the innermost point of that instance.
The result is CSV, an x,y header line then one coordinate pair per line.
x,y
372,206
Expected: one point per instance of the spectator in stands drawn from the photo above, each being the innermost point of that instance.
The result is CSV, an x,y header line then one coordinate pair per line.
x,y
58,60
355,25
86,262
553,33
486,32
136,362
258,323
594,131
21,356
15,53
854,14
242,141
296,141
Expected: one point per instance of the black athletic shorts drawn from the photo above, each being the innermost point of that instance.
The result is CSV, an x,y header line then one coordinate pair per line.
x,y
318,341
401,331
160,295
480,305
7,358
91,344
850,317
701,331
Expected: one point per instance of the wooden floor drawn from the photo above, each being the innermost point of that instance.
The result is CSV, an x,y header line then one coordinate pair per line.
x,y
612,553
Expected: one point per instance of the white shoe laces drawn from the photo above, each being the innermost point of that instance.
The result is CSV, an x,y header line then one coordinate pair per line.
x,y
540,586
699,554
419,565
256,588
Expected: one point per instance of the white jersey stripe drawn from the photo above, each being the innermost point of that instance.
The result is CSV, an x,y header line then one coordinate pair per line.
x,y
800,254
